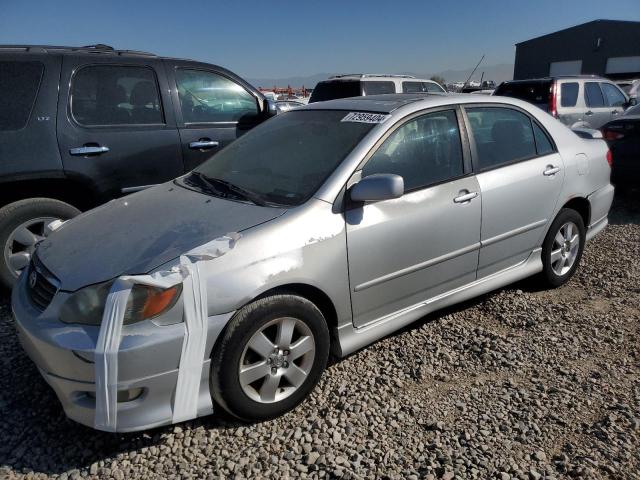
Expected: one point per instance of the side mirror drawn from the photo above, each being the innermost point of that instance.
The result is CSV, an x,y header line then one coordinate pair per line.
x,y
632,102
588,133
382,186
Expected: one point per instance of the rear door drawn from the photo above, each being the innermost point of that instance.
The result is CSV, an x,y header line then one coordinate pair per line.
x,y
569,104
409,249
520,174
598,112
116,129
213,108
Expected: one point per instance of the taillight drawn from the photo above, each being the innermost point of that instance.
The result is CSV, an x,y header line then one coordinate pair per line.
x,y
612,134
609,158
553,110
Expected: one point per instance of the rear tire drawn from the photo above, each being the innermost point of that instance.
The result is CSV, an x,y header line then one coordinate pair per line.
x,y
562,248
270,357
22,225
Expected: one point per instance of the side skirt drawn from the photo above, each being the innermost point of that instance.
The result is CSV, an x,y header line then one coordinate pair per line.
x,y
351,338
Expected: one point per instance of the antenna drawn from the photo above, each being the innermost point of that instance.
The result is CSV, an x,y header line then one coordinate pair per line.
x,y
473,71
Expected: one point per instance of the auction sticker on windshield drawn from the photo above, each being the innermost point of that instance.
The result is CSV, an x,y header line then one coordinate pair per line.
x,y
362,117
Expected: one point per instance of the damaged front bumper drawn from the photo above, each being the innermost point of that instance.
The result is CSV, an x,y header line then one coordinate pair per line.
x,y
148,361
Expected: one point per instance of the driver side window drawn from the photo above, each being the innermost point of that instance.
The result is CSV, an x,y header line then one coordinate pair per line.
x,y
206,97
423,151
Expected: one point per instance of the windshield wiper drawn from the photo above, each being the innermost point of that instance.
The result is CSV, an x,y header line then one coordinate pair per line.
x,y
216,183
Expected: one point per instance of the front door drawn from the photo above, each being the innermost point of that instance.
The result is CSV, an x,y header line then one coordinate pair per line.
x,y
520,175
407,250
214,108
114,127
615,99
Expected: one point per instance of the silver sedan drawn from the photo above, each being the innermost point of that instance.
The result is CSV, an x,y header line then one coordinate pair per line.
x,y
321,230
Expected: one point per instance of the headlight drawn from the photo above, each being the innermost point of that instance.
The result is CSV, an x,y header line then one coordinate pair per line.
x,y
86,306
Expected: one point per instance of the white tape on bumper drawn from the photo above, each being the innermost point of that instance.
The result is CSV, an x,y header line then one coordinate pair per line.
x,y
194,293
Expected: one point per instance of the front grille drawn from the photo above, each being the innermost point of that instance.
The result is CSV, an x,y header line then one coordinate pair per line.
x,y
42,285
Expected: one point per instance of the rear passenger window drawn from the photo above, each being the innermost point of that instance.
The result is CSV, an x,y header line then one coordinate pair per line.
x,y
19,83
593,95
206,97
424,151
378,88
115,95
543,144
569,94
501,135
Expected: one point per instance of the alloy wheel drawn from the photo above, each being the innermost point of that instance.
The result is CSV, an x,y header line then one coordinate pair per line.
x,y
565,248
277,360
22,242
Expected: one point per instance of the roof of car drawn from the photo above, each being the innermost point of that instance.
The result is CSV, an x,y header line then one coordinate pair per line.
x,y
391,102
99,48
555,77
374,76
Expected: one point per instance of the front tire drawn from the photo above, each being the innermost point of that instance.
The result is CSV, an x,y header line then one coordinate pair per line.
x,y
270,357
562,248
22,225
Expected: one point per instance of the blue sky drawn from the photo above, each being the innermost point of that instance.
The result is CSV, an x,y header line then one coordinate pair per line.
x,y
271,39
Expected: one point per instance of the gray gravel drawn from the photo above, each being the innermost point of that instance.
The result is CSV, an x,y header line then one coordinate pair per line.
x,y
520,383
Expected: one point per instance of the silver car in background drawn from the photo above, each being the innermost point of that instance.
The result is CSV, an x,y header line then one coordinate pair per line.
x,y
321,230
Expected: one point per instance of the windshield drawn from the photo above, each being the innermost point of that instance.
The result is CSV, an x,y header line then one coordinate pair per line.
x,y
536,92
282,161
333,89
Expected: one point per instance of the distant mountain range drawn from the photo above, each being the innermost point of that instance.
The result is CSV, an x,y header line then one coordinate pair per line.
x,y
498,73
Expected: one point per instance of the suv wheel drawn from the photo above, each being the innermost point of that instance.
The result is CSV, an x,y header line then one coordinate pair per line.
x,y
22,225
270,357
562,248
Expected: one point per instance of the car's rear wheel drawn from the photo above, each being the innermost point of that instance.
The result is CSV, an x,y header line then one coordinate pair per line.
x,y
270,357
22,225
562,248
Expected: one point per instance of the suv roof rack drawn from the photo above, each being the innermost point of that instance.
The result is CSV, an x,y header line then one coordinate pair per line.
x,y
97,48
371,75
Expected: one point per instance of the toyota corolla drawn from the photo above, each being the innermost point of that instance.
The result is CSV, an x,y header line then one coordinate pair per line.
x,y
324,229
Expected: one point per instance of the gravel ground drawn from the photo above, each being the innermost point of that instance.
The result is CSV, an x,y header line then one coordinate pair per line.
x,y
520,383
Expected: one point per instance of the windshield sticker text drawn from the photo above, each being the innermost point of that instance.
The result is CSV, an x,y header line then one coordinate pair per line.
x,y
362,117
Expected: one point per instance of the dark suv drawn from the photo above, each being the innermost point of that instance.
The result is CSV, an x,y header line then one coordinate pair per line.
x,y
80,126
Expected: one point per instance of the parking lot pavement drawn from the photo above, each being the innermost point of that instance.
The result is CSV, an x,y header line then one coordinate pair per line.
x,y
520,383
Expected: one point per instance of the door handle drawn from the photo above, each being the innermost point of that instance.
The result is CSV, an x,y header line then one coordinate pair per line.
x,y
467,197
588,113
88,150
203,144
550,171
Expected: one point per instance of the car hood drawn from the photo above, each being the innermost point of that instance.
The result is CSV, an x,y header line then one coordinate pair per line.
x,y
138,233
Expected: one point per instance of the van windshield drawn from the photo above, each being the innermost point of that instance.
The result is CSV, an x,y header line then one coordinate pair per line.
x,y
333,89
536,92
282,161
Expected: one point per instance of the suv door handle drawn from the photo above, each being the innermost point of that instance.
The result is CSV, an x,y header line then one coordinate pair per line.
x,y
465,197
588,112
203,144
550,171
88,150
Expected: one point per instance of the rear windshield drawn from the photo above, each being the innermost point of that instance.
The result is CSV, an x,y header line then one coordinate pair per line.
x,y
335,89
19,82
285,160
533,92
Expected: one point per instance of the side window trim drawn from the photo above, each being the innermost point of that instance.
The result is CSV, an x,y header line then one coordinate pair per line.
x,y
464,144
79,68
215,72
472,142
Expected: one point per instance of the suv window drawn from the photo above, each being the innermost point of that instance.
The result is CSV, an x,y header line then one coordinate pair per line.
x,y
332,90
593,95
423,151
420,87
615,98
115,95
502,136
378,88
19,83
206,97
569,94
534,91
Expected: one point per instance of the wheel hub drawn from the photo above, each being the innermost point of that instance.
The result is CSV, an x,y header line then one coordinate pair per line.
x,y
279,359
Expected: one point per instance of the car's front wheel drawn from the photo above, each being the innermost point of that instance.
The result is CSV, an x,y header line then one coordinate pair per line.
x,y
270,357
562,248
22,225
